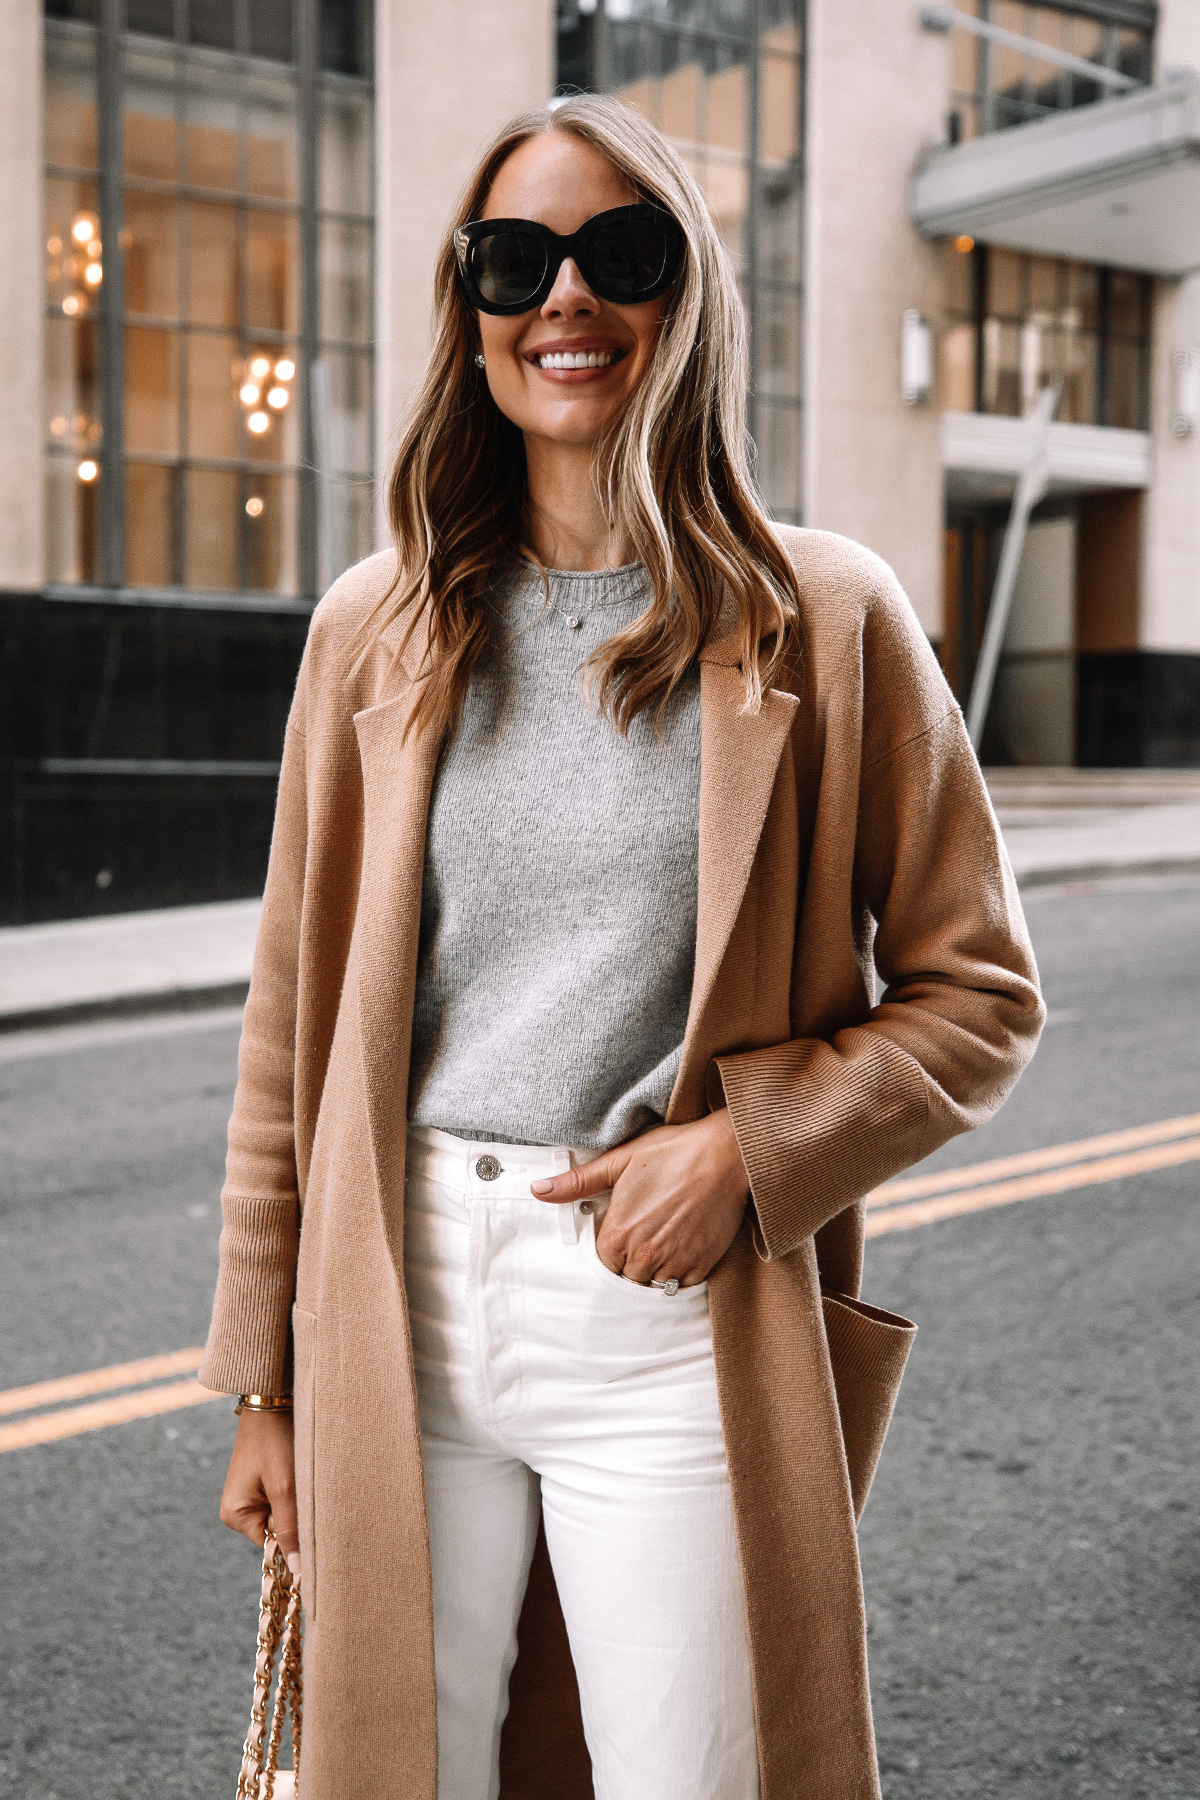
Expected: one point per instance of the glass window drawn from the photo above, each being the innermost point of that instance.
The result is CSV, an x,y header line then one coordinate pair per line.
x,y
345,167
72,140
698,70
213,23
150,524
345,283
1015,322
151,242
152,391
211,432
996,85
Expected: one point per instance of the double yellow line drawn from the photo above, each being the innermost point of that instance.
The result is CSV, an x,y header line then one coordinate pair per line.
x,y
142,1403
1032,1174
139,1390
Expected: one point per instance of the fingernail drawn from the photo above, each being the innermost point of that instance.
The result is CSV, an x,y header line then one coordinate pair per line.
x,y
293,1563
541,1187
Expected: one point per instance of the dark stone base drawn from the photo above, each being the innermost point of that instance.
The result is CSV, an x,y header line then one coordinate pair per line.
x,y
1137,709
191,702
82,845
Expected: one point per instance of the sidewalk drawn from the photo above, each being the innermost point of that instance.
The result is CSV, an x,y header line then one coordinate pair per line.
x,y
1060,825
1088,824
181,957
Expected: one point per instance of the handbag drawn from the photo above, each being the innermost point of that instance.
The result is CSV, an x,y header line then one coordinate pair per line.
x,y
261,1778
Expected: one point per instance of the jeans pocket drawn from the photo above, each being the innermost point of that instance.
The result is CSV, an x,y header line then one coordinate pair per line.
x,y
641,1288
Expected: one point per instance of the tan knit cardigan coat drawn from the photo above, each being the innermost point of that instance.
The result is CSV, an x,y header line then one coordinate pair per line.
x,y
845,824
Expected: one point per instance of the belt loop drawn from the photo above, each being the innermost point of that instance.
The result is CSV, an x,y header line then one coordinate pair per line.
x,y
569,1222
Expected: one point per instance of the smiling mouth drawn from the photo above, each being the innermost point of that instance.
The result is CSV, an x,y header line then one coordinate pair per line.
x,y
578,359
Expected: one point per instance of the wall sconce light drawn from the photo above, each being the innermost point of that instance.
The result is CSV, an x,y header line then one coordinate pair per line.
x,y
1185,392
916,358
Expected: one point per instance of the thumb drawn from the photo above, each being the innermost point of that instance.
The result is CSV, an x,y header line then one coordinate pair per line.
x,y
594,1178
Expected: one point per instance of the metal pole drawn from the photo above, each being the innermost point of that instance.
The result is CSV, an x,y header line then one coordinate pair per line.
x,y
753,210
308,16
111,570
944,18
1031,485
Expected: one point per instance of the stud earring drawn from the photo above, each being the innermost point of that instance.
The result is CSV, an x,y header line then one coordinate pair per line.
x,y
480,359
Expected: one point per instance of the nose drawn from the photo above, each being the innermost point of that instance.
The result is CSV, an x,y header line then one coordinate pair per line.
x,y
570,297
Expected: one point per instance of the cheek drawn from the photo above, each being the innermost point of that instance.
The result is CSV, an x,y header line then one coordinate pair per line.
x,y
496,337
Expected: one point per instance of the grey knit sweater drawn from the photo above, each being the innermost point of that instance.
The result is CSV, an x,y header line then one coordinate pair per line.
x,y
558,914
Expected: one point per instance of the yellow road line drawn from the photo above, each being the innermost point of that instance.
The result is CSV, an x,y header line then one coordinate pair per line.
x,y
114,1411
1032,1187
99,1381
909,1187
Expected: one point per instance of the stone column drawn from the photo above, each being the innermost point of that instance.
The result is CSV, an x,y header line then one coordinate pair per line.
x,y
22,287
876,97
447,78
1170,599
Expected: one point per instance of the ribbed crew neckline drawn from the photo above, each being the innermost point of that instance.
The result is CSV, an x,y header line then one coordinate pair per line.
x,y
592,587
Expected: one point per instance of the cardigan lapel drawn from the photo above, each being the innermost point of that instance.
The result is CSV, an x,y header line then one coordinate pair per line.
x,y
739,757
397,782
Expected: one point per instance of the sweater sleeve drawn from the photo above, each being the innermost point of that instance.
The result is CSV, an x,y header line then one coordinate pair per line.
x,y
249,1344
820,1123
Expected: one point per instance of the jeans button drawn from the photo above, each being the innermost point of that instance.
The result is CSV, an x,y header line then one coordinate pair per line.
x,y
487,1168
587,1206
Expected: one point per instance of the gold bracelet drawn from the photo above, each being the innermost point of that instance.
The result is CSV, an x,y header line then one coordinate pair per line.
x,y
263,1403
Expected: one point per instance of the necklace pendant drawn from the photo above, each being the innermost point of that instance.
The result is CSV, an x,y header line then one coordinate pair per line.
x,y
573,622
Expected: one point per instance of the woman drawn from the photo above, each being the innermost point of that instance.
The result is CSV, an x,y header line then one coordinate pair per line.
x,y
562,1043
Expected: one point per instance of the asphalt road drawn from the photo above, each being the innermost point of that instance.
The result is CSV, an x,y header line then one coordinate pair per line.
x,y
1031,1549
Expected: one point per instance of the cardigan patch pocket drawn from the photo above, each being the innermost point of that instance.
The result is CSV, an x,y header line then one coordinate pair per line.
x,y
868,1349
304,1341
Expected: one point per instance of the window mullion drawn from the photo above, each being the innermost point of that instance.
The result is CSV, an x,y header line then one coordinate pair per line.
x,y
112,304
308,128
753,105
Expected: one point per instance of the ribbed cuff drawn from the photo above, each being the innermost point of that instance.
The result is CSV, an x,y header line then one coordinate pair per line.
x,y
818,1130
249,1344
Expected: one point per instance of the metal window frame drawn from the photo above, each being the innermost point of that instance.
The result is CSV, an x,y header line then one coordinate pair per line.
x,y
311,84
1105,336
1113,15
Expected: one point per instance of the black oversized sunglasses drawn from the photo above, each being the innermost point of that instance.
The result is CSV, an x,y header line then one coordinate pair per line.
x,y
510,265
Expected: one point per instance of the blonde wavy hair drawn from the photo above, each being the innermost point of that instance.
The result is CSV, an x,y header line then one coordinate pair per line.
x,y
673,473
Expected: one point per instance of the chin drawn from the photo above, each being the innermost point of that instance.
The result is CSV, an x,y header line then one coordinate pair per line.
x,y
575,431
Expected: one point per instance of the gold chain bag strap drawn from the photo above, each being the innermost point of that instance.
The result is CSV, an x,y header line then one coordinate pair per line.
x,y
278,1635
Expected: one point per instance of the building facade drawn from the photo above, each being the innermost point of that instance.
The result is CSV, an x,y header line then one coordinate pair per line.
x,y
224,216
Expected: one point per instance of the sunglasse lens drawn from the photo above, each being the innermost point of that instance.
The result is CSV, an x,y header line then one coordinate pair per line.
x,y
508,267
628,259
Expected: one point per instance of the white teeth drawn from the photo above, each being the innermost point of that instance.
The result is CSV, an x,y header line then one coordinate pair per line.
x,y
578,359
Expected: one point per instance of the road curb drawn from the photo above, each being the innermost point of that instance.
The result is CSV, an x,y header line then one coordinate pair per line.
x,y
126,1006
1105,871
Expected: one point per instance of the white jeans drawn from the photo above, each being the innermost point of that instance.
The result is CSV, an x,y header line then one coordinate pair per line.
x,y
539,1368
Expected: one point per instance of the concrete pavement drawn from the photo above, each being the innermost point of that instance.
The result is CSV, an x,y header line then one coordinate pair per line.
x,y
1087,824
1061,825
181,956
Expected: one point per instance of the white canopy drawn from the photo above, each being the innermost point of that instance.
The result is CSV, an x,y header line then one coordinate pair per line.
x,y
1117,182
